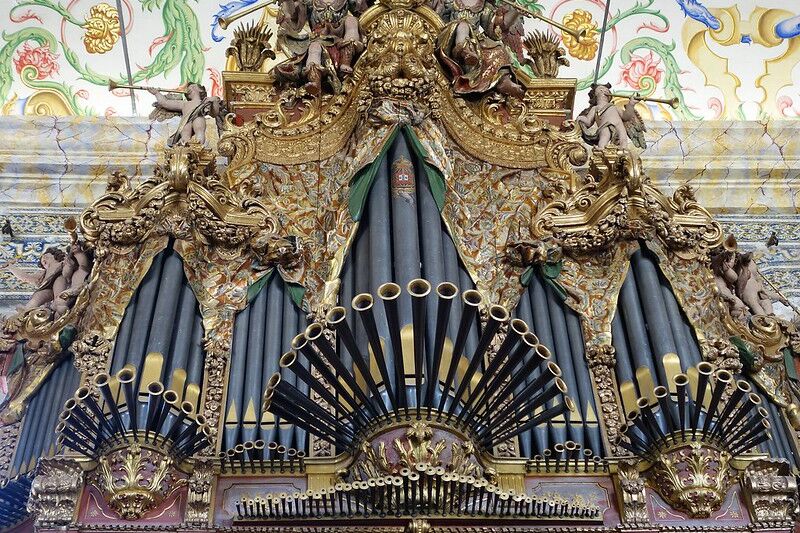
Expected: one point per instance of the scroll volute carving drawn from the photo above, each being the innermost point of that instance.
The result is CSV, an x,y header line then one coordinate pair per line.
x,y
617,202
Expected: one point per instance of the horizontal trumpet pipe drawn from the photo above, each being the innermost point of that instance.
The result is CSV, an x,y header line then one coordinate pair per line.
x,y
723,379
363,304
314,334
544,416
446,293
101,381
471,301
336,319
112,85
300,343
539,356
497,316
419,290
672,102
224,22
516,330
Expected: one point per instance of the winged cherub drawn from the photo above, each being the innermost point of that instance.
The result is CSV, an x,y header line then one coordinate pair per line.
x,y
613,125
193,111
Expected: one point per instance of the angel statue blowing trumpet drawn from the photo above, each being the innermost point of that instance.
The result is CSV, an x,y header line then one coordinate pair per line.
x,y
193,110
613,125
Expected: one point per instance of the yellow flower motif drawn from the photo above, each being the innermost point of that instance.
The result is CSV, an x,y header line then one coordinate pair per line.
x,y
102,29
586,48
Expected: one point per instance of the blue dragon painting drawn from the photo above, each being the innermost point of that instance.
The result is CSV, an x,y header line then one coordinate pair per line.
x,y
697,11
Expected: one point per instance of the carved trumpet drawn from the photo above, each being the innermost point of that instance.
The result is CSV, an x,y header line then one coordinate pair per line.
x,y
224,22
578,34
114,85
672,102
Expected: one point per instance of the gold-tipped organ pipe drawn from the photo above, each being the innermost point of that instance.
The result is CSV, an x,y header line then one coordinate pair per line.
x,y
578,34
224,22
672,102
114,85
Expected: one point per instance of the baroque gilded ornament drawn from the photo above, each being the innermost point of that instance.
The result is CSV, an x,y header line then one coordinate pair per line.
x,y
694,478
770,489
55,491
135,480
617,202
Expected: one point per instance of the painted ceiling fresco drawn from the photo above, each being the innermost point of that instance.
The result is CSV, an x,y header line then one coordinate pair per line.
x,y
722,59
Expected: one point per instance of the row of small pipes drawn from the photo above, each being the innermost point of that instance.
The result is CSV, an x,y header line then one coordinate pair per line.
x,y
424,491
733,418
567,457
494,409
260,457
153,415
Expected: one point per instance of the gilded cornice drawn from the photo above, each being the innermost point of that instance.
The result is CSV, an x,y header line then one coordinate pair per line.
x,y
617,202
518,134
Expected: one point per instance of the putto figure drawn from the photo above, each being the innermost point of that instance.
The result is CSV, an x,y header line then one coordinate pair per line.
x,y
193,111
613,125
471,47
321,38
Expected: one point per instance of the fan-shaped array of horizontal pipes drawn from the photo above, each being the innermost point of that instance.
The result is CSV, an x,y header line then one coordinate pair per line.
x,y
112,413
722,413
424,491
259,457
493,411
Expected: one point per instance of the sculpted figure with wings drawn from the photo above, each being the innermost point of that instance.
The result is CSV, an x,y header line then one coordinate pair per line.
x,y
613,125
193,109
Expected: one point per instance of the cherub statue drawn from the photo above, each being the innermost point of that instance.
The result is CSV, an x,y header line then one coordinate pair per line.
x,y
613,125
49,280
193,111
76,270
725,276
752,289
325,52
471,47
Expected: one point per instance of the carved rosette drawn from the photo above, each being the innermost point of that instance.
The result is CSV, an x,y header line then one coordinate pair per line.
x,y
770,489
55,491
694,478
136,479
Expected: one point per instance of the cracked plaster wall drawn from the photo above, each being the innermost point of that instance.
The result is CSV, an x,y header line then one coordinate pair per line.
x,y
745,173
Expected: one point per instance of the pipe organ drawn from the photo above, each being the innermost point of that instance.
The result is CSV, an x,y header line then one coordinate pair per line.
x,y
386,299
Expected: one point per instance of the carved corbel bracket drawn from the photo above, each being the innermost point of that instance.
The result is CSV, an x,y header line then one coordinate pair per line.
x,y
198,506
617,202
55,491
632,495
770,490
186,198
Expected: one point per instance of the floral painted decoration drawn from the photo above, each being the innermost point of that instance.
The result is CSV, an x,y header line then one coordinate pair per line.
x,y
40,58
585,48
102,29
642,72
